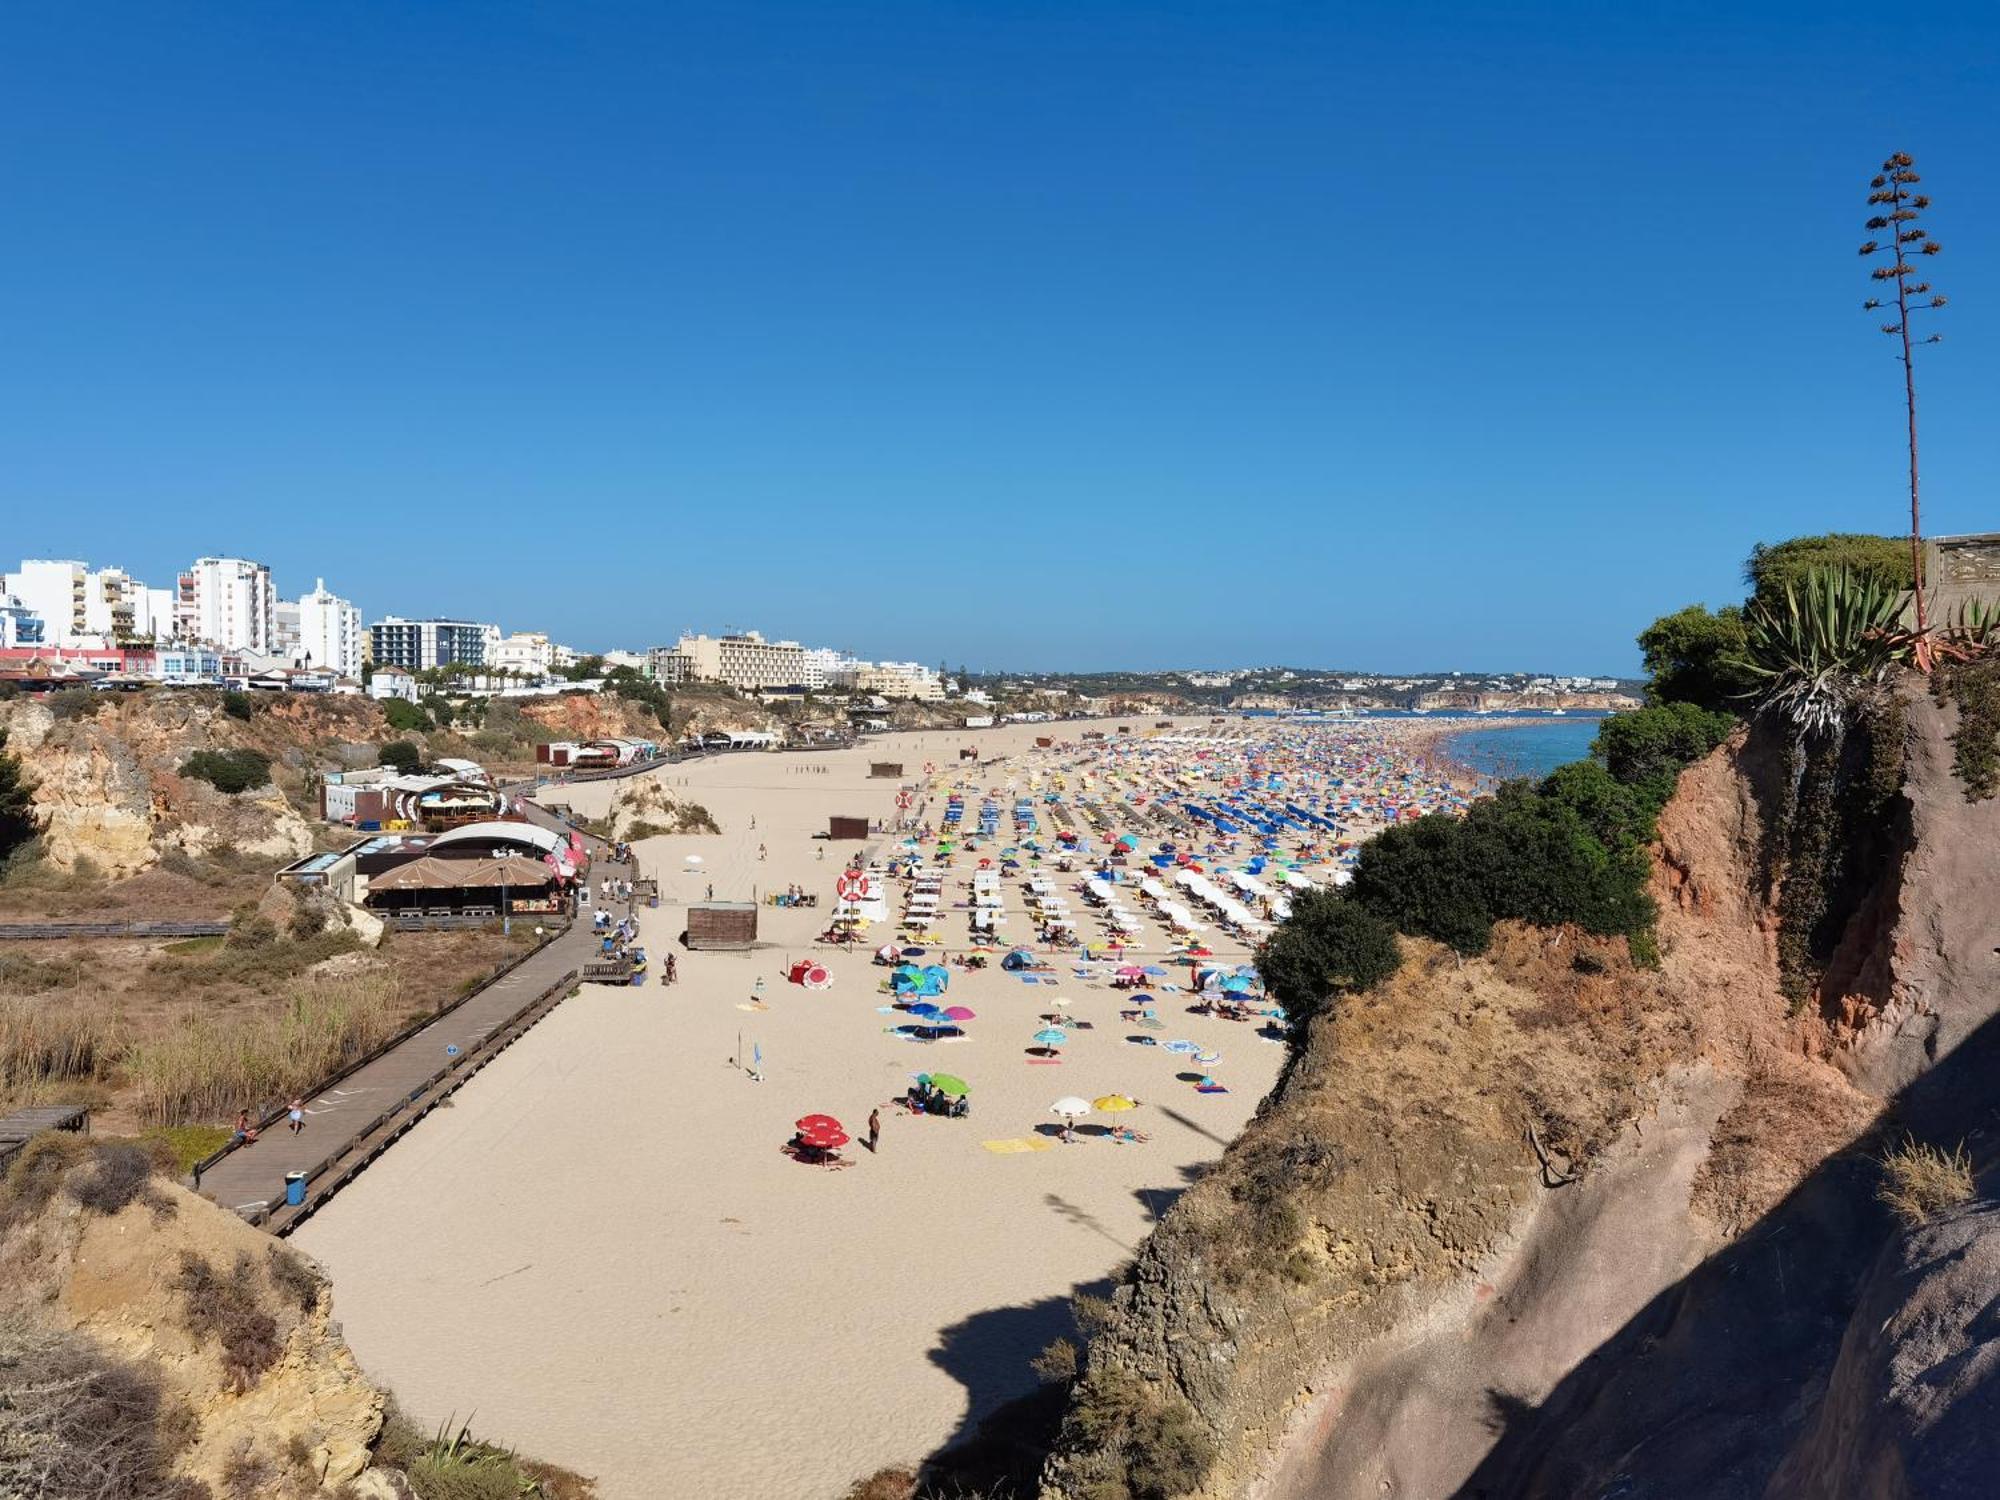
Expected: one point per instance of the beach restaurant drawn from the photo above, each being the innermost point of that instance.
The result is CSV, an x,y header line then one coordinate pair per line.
x,y
489,868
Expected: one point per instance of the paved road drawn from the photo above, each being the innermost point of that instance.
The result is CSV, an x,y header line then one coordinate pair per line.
x,y
254,1175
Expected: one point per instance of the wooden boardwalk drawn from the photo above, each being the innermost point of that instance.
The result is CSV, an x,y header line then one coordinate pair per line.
x,y
355,1118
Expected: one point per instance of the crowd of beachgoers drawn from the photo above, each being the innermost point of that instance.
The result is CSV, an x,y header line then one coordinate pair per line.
x,y
894,1138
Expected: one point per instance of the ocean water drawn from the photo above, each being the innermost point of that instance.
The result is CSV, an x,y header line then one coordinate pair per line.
x,y
1524,749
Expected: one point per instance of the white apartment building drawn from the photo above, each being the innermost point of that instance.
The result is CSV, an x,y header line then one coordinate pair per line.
x,y
228,603
746,662
899,679
58,593
527,651
79,608
329,632
827,668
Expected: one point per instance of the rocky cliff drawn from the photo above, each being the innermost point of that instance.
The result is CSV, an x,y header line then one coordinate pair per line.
x,y
1545,1223
107,782
230,1378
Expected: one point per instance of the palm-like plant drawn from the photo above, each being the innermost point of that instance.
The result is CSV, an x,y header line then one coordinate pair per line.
x,y
1826,644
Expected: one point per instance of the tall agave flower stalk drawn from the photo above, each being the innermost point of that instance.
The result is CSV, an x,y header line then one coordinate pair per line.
x,y
1897,206
1824,647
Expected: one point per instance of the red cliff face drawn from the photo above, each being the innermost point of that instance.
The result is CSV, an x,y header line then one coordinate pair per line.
x,y
1503,1214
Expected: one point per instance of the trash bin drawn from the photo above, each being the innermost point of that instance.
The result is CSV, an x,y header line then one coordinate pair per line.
x,y
653,900
295,1188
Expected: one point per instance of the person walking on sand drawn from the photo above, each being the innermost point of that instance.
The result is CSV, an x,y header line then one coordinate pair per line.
x,y
297,1117
673,970
874,1128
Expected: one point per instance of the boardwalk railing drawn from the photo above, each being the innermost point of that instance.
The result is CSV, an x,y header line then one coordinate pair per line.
x,y
338,1167
11,931
556,927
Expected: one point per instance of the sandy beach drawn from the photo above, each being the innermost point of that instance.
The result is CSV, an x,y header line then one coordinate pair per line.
x,y
601,1250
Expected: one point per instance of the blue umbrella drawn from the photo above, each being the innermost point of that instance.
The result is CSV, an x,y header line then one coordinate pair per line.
x,y
1051,1037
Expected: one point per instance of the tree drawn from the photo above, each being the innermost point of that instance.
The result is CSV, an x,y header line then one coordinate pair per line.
x,y
1328,946
1649,747
1695,655
1418,878
17,806
1893,190
402,756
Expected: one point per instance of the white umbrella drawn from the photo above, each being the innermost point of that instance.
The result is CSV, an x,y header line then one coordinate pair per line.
x,y
1070,1106
693,859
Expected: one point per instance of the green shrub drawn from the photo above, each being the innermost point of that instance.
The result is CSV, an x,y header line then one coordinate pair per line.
x,y
401,755
1975,744
1884,559
405,717
1650,747
1618,816
17,804
239,705
1518,854
1143,1443
230,771
1329,945
1696,656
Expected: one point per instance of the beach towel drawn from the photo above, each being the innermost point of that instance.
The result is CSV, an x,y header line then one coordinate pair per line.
x,y
1011,1147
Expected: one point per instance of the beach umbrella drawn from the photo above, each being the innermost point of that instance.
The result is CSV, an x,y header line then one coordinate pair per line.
x,y
1070,1107
1051,1037
959,1013
1235,984
823,1132
692,859
1208,1059
925,1009
946,1084
1112,1104
913,952
1180,1045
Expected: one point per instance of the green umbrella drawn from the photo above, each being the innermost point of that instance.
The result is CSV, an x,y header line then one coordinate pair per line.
x,y
950,1087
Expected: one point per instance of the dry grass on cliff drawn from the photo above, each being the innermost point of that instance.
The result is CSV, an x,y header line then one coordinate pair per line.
x,y
1921,1181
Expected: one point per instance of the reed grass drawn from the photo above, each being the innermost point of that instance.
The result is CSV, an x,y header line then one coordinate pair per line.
x,y
216,1065
52,1038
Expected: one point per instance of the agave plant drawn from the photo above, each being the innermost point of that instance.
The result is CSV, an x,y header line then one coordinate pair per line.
x,y
1826,644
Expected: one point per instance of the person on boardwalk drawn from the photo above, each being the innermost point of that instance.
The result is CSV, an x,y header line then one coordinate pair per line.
x,y
874,1127
297,1118
673,970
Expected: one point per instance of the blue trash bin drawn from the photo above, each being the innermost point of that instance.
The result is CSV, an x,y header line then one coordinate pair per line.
x,y
295,1188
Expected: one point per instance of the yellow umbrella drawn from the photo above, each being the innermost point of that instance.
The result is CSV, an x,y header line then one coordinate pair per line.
x,y
1111,1104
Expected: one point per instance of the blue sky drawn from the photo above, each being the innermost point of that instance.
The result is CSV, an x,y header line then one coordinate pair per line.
x,y
1376,336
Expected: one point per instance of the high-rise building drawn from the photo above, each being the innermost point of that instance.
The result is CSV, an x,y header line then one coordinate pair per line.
x,y
58,592
827,668
79,608
745,662
228,603
329,632
417,644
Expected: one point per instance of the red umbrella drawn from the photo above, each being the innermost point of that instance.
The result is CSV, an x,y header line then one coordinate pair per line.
x,y
822,1132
